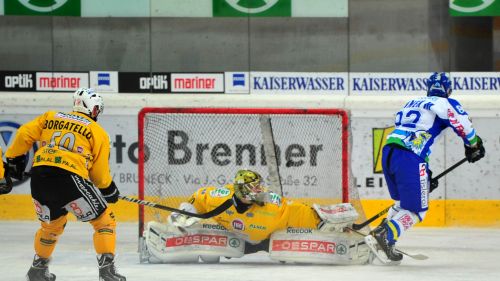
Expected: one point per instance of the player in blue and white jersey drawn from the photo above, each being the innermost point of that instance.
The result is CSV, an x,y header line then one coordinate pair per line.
x,y
406,153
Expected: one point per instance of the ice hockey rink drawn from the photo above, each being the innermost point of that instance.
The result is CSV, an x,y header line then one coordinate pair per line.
x,y
458,254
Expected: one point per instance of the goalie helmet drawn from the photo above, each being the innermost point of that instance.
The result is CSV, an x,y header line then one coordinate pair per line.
x,y
439,85
86,101
247,184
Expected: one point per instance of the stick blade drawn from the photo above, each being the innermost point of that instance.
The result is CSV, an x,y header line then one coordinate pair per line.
x,y
420,257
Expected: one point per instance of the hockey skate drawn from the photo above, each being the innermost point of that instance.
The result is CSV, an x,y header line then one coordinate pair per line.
x,y
39,270
107,269
380,235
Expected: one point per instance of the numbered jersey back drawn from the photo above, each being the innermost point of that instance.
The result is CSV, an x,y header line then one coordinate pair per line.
x,y
421,120
67,141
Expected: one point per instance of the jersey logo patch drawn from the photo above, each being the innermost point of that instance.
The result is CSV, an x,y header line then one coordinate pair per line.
x,y
424,189
275,199
220,192
417,140
238,224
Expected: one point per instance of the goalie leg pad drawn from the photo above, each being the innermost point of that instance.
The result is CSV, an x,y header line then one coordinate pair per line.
x,y
207,240
303,245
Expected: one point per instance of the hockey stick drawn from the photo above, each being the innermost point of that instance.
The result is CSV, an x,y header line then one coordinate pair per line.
x,y
448,170
266,130
381,213
413,256
419,257
221,208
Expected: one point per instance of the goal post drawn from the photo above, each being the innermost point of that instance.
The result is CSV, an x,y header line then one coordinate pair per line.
x,y
184,149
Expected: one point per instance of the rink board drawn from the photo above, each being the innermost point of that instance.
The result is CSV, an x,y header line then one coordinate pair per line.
x,y
467,196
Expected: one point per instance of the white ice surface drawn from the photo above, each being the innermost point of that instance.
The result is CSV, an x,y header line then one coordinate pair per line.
x,y
458,254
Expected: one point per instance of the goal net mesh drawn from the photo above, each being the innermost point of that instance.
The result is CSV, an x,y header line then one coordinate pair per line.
x,y
182,150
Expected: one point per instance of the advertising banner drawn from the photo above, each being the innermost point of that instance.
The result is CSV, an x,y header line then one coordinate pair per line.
x,y
177,8
474,8
144,82
299,83
368,136
475,83
42,7
61,81
388,83
385,83
17,81
104,81
236,8
237,82
197,82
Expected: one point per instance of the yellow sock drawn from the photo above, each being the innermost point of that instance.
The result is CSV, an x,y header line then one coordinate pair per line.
x,y
46,237
105,233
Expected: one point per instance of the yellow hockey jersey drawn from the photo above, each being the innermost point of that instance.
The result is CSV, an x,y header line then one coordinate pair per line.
x,y
258,222
71,141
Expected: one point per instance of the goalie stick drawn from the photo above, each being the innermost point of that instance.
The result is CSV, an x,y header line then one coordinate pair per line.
x,y
221,208
266,130
384,211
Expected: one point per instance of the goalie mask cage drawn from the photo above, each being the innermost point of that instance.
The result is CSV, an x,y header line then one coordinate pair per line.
x,y
184,149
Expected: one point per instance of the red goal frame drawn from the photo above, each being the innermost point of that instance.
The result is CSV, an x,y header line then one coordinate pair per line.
x,y
318,111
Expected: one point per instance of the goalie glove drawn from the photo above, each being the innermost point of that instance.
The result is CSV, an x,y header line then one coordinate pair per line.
x,y
181,220
335,217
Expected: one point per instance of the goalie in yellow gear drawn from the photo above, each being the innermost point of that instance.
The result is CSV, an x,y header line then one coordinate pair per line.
x,y
255,217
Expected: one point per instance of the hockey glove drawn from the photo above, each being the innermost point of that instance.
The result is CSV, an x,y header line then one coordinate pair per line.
x,y
6,182
16,166
110,193
475,152
434,183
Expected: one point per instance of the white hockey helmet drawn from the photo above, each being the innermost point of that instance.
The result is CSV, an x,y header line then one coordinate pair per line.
x,y
86,101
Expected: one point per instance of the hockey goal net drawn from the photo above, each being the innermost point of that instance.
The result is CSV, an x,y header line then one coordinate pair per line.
x,y
183,149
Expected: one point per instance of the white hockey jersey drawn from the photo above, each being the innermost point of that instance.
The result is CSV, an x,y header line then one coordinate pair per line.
x,y
421,120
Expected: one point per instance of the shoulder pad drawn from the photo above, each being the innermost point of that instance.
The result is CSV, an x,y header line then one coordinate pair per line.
x,y
457,106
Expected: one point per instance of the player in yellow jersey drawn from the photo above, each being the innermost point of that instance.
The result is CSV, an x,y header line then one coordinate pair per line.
x,y
255,215
70,173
